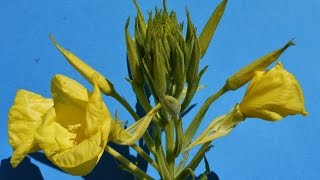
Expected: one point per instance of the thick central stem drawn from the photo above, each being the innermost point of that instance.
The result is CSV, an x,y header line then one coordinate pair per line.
x,y
170,157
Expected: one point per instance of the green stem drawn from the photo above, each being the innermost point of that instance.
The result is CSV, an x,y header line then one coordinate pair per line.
x,y
194,125
139,92
143,100
194,162
125,103
170,158
132,167
143,154
179,137
160,157
147,138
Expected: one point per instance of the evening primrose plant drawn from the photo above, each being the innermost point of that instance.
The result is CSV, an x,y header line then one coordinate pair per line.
x,y
74,127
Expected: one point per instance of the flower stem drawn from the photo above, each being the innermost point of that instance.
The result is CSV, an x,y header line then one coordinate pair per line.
x,y
143,154
160,156
125,103
128,164
170,157
194,162
194,125
147,138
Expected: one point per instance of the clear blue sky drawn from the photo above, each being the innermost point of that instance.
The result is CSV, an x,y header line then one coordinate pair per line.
x,y
94,30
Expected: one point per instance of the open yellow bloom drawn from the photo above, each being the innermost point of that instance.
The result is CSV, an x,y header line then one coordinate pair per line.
x,y
23,120
74,132
273,95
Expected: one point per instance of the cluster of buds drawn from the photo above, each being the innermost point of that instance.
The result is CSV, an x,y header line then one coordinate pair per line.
x,y
161,57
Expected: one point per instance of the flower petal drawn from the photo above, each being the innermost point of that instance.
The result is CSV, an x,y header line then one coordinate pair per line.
x,y
75,131
272,95
24,117
60,148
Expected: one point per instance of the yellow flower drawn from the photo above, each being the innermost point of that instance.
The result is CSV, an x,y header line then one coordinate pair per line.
x,y
273,95
24,117
74,132
72,129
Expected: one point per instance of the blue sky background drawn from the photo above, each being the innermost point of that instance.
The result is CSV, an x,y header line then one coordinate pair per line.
x,y
94,30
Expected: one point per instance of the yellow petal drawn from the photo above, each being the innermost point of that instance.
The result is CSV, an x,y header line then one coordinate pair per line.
x,y
97,113
133,133
60,147
84,69
70,102
67,90
74,133
273,95
24,117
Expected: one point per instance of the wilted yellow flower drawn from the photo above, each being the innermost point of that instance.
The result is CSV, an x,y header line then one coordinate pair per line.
x,y
273,95
219,127
74,132
24,117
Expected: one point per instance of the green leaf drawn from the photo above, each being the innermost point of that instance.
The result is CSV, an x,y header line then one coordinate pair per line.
x,y
209,29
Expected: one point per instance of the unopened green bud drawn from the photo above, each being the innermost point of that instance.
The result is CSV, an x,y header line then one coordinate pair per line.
x,y
192,72
162,42
172,106
159,77
164,49
189,40
178,68
245,74
133,58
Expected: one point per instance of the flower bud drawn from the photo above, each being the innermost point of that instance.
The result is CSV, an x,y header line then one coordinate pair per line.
x,y
133,58
84,69
245,74
172,106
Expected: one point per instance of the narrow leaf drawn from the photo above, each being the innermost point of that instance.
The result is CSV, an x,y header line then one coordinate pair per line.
x,y
209,29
